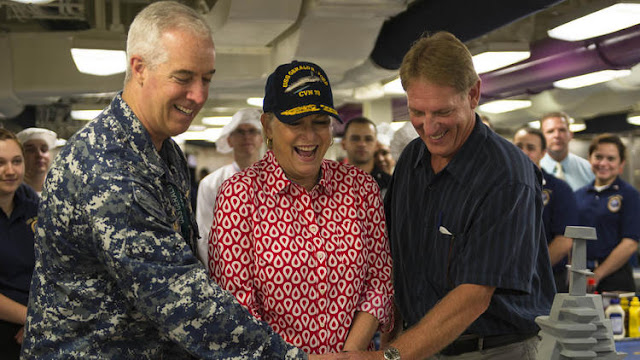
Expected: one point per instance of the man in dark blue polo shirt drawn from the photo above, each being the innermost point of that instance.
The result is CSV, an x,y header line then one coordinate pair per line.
x,y
560,208
464,214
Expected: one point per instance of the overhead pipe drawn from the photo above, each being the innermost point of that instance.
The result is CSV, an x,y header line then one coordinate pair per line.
x,y
116,24
466,19
99,10
553,60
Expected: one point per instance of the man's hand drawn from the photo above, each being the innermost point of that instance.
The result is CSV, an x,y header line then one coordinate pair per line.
x,y
19,336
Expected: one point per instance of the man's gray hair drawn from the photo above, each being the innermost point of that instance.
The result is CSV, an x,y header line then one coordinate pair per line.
x,y
145,32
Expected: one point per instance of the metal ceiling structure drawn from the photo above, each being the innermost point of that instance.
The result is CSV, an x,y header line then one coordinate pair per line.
x,y
360,43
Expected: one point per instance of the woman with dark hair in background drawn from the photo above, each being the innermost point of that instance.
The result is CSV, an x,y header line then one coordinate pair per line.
x,y
611,205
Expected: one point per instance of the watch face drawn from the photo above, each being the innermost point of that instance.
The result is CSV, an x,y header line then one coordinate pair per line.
x,y
391,354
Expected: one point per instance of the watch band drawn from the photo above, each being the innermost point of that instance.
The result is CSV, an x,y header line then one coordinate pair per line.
x,y
391,353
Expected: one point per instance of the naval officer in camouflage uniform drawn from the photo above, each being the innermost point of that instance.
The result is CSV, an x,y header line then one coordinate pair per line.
x,y
116,276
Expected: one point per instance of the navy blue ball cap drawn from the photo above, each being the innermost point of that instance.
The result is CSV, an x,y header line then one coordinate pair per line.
x,y
296,90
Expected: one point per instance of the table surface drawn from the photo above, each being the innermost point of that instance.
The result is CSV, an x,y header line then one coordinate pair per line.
x,y
631,346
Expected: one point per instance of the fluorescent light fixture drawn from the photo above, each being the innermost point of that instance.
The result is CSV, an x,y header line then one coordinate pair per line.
x,y
492,60
577,127
489,56
634,119
393,87
216,120
99,62
613,18
85,114
396,125
34,2
534,124
502,106
255,101
211,135
197,128
590,79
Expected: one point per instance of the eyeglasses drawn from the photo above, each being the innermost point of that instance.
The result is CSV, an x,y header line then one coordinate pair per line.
x,y
250,132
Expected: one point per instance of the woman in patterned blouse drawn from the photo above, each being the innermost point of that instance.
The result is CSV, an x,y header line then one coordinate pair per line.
x,y
298,239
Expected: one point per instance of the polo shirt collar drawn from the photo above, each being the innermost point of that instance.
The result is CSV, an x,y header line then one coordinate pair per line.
x,y
282,182
459,167
544,176
18,207
615,185
423,154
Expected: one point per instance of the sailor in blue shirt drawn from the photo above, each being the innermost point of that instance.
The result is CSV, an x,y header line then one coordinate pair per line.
x,y
559,202
18,218
464,215
611,205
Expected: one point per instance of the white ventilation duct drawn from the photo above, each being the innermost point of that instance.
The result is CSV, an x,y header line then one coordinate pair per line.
x,y
252,38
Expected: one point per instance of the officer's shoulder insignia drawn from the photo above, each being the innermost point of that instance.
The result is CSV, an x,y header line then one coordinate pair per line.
x,y
614,203
546,196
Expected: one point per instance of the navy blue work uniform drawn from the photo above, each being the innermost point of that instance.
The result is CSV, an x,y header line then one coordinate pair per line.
x,y
614,213
478,221
560,211
16,261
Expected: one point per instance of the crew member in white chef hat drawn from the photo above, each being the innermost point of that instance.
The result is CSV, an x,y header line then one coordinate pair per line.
x,y
37,144
243,136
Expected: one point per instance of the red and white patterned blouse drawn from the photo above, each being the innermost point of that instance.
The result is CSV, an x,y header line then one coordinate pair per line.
x,y
302,261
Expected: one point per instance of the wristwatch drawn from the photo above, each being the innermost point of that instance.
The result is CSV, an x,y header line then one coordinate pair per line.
x,y
391,354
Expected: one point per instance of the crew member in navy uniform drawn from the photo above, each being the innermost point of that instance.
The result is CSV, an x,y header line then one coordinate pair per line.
x,y
360,143
559,202
18,219
116,274
611,205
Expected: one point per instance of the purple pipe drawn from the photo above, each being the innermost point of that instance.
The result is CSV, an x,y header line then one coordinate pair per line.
x,y
553,60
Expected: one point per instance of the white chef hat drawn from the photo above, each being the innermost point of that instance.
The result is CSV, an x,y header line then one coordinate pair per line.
x,y
385,132
243,116
45,135
401,138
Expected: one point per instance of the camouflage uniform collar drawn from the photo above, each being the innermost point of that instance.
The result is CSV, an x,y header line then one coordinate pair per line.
x,y
134,132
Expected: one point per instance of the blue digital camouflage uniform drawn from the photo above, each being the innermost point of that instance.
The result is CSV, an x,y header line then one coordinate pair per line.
x,y
114,276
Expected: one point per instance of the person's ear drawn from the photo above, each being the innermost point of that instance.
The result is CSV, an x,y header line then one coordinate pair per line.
x,y
138,69
266,126
474,94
